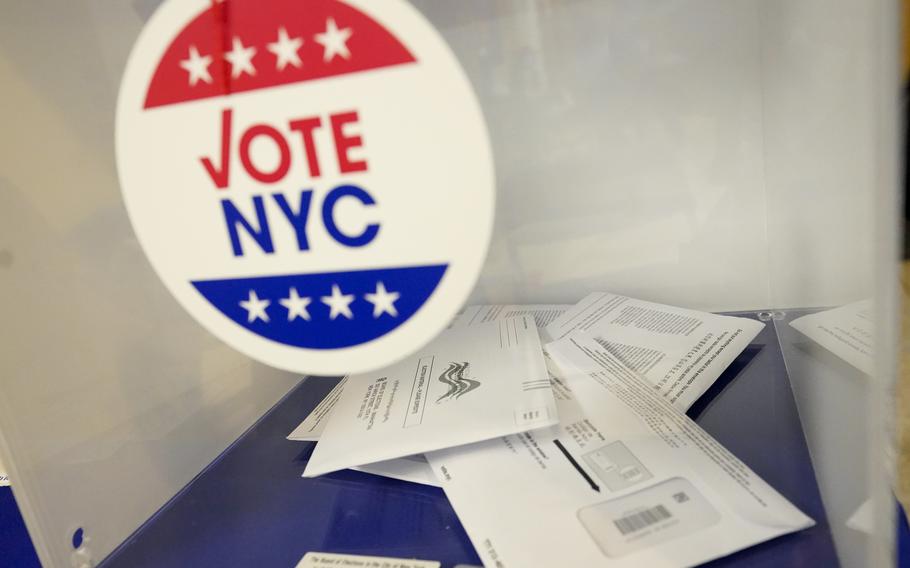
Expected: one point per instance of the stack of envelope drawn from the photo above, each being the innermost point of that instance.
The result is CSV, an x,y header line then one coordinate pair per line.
x,y
559,434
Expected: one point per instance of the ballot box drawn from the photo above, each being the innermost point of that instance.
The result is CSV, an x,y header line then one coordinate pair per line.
x,y
737,157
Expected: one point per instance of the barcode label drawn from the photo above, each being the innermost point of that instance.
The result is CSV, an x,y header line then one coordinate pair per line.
x,y
647,518
642,519
630,473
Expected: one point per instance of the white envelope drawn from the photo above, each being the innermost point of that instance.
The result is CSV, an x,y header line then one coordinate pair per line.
x,y
626,480
311,428
411,468
415,468
682,352
470,384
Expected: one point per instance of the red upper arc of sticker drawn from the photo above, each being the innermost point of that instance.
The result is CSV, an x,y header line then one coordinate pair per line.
x,y
238,46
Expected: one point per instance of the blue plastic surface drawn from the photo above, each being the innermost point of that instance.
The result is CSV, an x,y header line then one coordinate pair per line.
x,y
903,539
16,548
252,507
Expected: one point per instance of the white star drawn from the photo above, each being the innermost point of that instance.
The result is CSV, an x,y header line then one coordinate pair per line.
x,y
383,301
285,50
339,303
296,305
197,66
255,308
334,41
241,59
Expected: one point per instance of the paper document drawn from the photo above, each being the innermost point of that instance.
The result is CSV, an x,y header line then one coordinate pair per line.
x,y
469,384
846,331
543,314
682,352
626,480
311,428
333,560
411,468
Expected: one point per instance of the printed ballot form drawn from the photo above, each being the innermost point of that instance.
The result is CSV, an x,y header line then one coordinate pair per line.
x,y
468,385
626,480
846,331
682,352
543,314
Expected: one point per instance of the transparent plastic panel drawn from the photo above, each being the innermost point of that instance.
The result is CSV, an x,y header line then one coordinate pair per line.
x,y
830,82
719,155
111,398
628,147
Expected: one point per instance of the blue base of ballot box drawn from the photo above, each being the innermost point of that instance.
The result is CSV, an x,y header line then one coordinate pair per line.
x,y
251,507
16,548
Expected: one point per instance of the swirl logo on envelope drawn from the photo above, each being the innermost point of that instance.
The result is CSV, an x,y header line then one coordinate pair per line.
x,y
301,175
456,382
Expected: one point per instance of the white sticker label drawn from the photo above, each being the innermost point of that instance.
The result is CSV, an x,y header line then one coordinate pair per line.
x,y
328,560
312,181
671,509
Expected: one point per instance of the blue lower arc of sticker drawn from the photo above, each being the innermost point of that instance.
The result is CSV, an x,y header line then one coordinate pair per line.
x,y
256,303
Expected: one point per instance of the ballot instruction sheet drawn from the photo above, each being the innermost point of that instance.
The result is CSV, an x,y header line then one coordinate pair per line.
x,y
846,331
467,385
543,314
626,480
681,351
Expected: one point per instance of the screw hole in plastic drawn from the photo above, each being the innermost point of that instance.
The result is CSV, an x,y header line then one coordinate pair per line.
x,y
77,537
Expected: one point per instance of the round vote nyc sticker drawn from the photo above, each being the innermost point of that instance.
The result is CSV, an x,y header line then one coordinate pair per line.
x,y
312,180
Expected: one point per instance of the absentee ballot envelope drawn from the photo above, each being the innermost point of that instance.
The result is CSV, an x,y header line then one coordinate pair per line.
x,y
415,468
682,352
311,428
626,480
411,468
543,314
468,385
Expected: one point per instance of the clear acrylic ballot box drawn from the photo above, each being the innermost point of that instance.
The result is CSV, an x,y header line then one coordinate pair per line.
x,y
726,156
